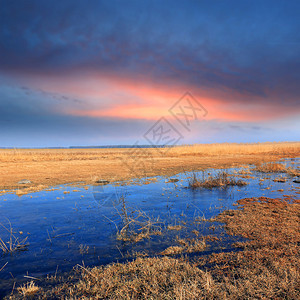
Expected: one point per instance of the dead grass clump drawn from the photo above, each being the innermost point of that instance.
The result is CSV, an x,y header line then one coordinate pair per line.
x,y
222,179
135,237
138,254
136,225
28,289
272,223
143,278
172,250
280,179
13,242
246,176
175,227
257,274
268,267
270,168
31,189
186,246
293,172
193,245
245,171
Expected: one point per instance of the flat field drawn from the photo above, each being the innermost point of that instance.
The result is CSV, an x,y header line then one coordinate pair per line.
x,y
49,167
261,261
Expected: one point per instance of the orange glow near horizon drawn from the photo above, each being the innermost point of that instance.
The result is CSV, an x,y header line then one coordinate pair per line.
x,y
114,97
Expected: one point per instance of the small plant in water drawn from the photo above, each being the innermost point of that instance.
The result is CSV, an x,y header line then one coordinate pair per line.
x,y
222,179
28,289
186,246
293,172
136,224
14,243
83,249
270,168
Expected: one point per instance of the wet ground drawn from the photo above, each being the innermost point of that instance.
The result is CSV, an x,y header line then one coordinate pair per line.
x,y
70,225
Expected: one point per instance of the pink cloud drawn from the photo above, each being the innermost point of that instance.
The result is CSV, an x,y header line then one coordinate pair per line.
x,y
108,95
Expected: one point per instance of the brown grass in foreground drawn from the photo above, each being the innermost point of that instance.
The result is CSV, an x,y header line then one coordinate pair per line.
x,y
186,246
271,223
267,267
28,289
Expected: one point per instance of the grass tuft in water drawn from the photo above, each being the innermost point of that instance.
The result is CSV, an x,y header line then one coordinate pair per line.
x,y
13,243
136,225
270,168
222,179
28,289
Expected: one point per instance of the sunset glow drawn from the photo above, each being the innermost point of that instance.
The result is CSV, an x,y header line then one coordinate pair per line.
x,y
113,70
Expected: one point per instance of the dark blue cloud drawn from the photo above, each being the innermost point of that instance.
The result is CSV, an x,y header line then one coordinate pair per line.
x,y
251,47
248,46
30,118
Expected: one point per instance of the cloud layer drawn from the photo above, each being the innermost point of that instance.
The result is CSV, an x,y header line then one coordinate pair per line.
x,y
122,64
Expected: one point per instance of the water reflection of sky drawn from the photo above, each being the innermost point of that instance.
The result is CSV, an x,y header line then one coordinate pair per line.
x,y
62,223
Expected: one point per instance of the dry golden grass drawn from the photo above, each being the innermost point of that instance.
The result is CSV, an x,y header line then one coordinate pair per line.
x,y
293,172
280,179
172,250
237,149
136,225
175,227
144,278
222,179
274,223
50,167
186,246
193,245
13,242
28,289
270,168
245,171
268,267
38,155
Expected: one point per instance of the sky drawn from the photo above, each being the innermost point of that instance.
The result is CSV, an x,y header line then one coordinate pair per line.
x,y
148,72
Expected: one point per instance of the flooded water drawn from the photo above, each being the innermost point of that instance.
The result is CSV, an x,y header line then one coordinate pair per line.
x,y
70,225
